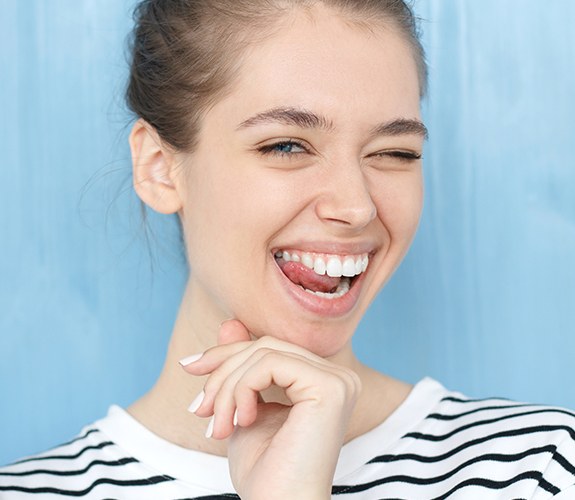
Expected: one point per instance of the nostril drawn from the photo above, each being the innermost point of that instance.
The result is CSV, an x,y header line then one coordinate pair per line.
x,y
351,217
347,202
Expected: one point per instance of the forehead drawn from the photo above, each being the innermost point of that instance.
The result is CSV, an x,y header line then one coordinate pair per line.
x,y
353,76
331,65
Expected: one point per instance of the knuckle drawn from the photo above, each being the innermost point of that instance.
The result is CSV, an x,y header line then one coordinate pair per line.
x,y
354,380
238,391
214,382
224,394
270,357
266,351
338,389
211,384
265,342
349,384
262,353
218,403
241,392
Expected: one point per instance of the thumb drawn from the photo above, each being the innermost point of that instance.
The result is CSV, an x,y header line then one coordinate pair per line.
x,y
232,331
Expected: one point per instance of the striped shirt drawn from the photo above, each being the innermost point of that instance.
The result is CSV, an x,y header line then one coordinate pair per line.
x,y
437,444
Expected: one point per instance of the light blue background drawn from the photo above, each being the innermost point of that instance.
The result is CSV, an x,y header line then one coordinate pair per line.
x,y
484,302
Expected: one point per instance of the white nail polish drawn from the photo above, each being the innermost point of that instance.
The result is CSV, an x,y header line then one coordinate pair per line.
x,y
191,359
197,402
210,429
236,417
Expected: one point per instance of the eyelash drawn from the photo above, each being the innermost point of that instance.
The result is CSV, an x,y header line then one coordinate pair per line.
x,y
406,156
271,149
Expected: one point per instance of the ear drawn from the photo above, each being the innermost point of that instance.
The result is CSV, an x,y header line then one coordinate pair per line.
x,y
154,168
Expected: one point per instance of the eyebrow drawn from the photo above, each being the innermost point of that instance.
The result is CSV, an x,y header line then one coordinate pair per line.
x,y
307,119
289,116
401,126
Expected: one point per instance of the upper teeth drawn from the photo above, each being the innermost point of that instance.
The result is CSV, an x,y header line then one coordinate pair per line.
x,y
332,265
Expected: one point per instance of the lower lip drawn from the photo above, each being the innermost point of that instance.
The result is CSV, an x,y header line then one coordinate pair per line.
x,y
321,306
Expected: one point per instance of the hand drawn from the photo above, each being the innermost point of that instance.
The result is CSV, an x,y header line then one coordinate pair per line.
x,y
276,450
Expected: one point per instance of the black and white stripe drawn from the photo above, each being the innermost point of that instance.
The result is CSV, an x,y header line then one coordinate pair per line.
x,y
79,468
477,449
460,449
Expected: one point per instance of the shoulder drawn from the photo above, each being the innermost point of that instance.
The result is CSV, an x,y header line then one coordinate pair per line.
x,y
68,469
501,422
116,457
87,464
449,445
60,469
504,441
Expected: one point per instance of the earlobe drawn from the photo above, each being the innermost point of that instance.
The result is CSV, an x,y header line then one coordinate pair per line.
x,y
153,170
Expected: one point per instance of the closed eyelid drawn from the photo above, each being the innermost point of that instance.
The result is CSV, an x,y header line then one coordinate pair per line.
x,y
400,153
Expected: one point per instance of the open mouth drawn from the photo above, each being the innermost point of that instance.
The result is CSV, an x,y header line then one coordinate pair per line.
x,y
325,275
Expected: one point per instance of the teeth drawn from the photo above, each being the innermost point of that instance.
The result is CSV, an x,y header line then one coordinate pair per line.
x,y
333,265
348,268
307,260
319,266
340,291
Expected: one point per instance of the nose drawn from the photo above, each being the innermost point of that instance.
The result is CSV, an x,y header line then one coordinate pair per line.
x,y
346,201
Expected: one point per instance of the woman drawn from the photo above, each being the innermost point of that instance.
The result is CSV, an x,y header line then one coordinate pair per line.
x,y
287,137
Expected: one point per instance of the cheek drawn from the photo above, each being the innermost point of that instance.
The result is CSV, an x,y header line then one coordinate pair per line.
x,y
399,201
232,211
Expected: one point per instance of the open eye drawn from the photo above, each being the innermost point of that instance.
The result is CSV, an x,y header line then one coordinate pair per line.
x,y
283,148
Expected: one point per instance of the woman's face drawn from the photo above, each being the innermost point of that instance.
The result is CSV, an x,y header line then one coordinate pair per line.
x,y
314,152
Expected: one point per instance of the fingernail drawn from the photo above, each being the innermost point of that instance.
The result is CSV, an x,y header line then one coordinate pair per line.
x,y
197,402
210,429
236,417
190,359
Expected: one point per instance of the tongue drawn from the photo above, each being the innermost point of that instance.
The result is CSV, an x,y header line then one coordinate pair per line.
x,y
301,275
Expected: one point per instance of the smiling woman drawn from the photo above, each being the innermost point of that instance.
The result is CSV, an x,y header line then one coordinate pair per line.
x,y
287,137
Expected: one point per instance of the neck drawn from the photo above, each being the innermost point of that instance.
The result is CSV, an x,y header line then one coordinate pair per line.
x,y
163,410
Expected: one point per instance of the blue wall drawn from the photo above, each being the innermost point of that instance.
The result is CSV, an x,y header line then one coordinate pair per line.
x,y
484,302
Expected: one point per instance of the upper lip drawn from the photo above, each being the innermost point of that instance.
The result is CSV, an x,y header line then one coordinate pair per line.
x,y
329,247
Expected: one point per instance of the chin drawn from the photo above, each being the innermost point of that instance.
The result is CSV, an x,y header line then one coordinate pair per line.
x,y
322,339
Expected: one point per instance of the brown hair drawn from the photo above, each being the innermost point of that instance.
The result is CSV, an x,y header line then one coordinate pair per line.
x,y
184,52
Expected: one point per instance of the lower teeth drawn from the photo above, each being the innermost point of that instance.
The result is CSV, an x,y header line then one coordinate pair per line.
x,y
340,291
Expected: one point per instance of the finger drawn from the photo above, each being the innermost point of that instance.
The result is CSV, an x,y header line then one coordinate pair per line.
x,y
221,361
228,356
232,331
240,391
220,400
323,390
214,357
219,388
